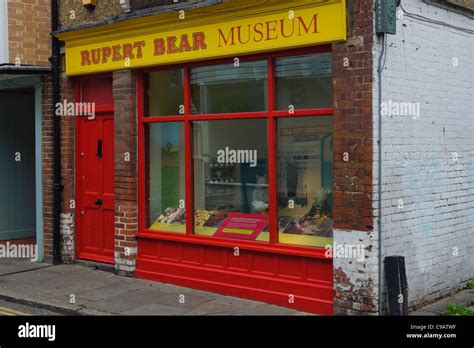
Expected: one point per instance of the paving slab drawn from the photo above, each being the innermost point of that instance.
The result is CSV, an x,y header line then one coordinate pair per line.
x,y
236,302
60,288
65,269
8,266
101,293
19,287
214,308
266,309
156,309
133,284
140,298
174,289
65,300
32,278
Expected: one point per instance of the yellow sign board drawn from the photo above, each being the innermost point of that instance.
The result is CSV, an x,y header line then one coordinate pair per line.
x,y
184,42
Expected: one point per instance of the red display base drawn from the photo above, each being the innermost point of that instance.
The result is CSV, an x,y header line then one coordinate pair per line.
x,y
297,282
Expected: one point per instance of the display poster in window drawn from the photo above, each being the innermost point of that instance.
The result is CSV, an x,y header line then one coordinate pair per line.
x,y
242,226
302,146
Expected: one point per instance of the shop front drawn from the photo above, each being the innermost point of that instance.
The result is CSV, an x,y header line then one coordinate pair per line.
x,y
233,145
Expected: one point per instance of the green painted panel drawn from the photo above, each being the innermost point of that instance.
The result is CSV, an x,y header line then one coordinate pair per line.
x,y
17,166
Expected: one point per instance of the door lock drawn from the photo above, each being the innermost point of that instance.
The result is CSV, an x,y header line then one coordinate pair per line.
x,y
98,202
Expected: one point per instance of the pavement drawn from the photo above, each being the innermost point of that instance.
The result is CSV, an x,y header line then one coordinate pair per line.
x,y
29,288
81,290
464,298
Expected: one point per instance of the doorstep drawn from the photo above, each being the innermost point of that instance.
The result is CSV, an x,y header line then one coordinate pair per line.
x,y
106,267
98,292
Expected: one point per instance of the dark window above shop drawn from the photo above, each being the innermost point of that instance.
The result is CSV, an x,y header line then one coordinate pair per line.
x,y
143,4
460,5
73,14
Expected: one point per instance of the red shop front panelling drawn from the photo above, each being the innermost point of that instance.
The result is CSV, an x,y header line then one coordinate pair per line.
x,y
296,282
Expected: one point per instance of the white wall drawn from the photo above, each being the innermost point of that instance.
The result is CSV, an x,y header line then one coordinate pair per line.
x,y
434,230
3,32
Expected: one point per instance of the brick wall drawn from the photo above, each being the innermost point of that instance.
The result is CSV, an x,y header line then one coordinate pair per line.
x,y
428,163
48,167
126,172
68,204
67,221
29,24
355,281
352,79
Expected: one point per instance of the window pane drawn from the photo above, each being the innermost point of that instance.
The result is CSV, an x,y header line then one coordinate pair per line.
x,y
305,180
164,93
226,88
166,177
230,179
304,82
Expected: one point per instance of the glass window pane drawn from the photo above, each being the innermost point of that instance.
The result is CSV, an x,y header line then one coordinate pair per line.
x,y
304,82
305,180
164,93
166,177
227,89
230,179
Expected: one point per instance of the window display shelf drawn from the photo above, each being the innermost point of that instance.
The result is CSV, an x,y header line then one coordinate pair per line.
x,y
220,195
237,184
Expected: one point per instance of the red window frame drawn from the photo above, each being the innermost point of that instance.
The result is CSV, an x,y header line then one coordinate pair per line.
x,y
187,118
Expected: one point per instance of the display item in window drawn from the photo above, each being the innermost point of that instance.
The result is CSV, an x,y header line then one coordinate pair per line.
x,y
172,216
260,195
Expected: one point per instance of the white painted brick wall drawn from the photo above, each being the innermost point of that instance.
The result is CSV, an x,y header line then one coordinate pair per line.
x,y
418,165
67,237
362,272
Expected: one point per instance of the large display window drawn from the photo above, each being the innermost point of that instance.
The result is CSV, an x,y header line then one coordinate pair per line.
x,y
166,176
304,180
230,178
239,152
224,89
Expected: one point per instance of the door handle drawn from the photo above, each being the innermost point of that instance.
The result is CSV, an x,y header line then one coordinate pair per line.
x,y
99,148
98,202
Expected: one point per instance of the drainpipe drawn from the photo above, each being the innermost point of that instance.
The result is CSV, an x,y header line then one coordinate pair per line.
x,y
58,187
379,143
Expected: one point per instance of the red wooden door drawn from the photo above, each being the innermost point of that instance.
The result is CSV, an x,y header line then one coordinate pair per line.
x,y
95,186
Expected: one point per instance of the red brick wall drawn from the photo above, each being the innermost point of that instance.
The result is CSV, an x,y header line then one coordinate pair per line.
x,y
353,128
126,172
354,282
29,25
67,170
67,175
48,166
